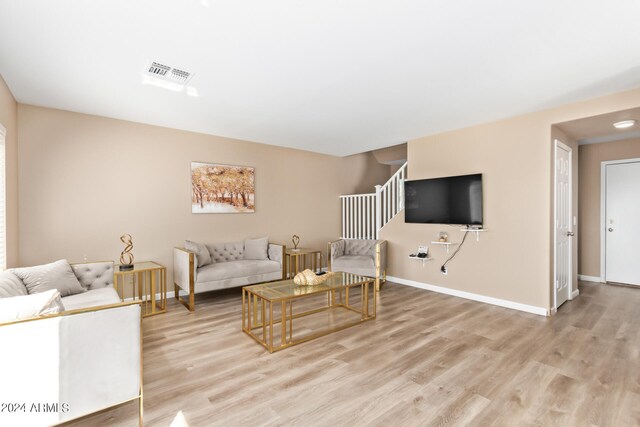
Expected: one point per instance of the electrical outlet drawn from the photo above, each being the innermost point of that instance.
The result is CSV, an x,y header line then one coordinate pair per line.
x,y
444,270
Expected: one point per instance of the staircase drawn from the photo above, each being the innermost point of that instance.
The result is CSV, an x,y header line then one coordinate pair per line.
x,y
364,215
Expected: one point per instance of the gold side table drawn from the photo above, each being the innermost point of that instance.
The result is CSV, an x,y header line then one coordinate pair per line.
x,y
149,285
301,259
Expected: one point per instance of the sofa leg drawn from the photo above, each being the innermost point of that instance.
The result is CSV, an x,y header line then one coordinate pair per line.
x,y
190,304
380,281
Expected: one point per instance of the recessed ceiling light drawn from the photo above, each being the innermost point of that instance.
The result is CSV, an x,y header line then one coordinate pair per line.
x,y
624,124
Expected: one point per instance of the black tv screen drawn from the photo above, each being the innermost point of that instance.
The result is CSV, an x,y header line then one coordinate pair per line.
x,y
450,200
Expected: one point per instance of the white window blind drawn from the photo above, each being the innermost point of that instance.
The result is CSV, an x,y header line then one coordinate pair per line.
x,y
3,210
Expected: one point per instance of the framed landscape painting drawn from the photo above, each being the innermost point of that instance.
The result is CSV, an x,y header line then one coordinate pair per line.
x,y
222,188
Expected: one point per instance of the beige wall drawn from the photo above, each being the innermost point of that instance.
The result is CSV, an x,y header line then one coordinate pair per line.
x,y
9,119
394,156
86,180
591,157
512,261
395,153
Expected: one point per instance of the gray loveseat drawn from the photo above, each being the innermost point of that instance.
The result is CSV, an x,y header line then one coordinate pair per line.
x,y
359,256
231,264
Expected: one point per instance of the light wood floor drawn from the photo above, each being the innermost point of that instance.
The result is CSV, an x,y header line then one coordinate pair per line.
x,y
428,359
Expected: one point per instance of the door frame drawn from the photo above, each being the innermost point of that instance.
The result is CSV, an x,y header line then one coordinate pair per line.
x,y
559,144
603,212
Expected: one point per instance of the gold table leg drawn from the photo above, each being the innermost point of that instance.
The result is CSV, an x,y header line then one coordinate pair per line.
x,y
283,338
255,309
243,308
152,274
264,323
290,321
164,289
249,298
270,327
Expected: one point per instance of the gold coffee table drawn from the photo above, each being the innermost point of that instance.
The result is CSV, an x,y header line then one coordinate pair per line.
x,y
259,302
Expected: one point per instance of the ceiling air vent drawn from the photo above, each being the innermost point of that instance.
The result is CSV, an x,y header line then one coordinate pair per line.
x,y
168,73
158,69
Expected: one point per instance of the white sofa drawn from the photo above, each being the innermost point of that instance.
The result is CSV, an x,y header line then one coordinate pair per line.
x,y
228,268
83,359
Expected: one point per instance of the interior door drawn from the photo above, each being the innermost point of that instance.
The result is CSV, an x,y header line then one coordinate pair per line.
x,y
563,231
622,225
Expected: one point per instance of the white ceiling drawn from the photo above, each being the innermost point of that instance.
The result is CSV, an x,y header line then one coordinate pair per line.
x,y
336,77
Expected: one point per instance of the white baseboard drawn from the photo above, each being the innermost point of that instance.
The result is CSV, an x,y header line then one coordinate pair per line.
x,y
575,293
595,279
541,311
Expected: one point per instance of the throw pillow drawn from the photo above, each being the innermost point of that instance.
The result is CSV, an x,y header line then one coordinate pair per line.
x,y
28,306
203,257
10,285
57,275
256,248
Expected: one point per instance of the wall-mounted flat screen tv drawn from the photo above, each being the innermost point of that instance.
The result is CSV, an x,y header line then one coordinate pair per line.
x,y
449,200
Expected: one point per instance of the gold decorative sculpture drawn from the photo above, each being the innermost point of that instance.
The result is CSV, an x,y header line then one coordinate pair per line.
x,y
295,239
309,278
126,257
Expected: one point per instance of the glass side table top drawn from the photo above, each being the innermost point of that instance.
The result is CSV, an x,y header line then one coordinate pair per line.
x,y
137,267
302,251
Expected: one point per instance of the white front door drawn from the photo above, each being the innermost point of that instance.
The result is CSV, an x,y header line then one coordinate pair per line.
x,y
622,225
563,224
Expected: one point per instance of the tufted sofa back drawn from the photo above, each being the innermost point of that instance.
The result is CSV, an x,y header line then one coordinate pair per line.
x,y
360,247
223,252
94,275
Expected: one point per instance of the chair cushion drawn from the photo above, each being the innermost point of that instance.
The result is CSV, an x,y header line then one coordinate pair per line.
x,y
28,306
11,285
94,275
230,270
93,298
352,261
360,247
203,257
56,275
256,249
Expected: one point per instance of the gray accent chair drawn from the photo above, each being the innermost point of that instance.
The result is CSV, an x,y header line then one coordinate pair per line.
x,y
227,270
364,257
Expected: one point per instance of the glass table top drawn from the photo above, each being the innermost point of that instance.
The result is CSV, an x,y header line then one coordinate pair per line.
x,y
138,266
302,251
286,289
